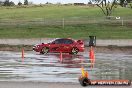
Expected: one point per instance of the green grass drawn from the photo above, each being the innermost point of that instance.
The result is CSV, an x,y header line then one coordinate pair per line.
x,y
49,12
58,12
73,31
83,31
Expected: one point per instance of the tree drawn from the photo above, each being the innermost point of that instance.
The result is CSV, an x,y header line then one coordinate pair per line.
x,y
48,3
19,3
131,5
1,3
25,2
89,2
106,8
122,2
7,3
12,3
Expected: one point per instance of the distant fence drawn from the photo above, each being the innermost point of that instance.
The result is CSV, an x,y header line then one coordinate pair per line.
x,y
70,21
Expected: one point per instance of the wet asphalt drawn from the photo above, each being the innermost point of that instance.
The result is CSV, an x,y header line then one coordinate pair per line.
x,y
49,68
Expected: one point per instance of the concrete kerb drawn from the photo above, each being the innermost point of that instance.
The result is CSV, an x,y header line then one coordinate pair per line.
x,y
99,42
31,41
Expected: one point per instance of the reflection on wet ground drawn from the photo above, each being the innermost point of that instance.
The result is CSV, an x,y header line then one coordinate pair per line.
x,y
48,68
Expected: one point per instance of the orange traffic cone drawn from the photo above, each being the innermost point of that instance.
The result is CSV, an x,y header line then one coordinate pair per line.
x,y
91,53
86,74
92,56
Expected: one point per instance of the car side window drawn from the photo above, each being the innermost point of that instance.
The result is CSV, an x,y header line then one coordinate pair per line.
x,y
58,41
63,41
67,41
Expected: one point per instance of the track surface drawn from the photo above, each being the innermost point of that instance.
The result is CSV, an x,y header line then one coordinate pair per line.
x,y
49,68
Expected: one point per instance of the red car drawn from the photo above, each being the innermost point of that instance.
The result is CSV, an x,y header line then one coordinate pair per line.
x,y
65,45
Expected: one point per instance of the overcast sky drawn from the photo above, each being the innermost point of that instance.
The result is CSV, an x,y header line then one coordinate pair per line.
x,y
52,1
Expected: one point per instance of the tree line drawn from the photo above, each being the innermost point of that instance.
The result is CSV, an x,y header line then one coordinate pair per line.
x,y
103,2
11,3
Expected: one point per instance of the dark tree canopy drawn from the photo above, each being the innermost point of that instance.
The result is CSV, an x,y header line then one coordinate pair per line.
x,y
12,3
122,2
19,3
8,3
1,3
25,2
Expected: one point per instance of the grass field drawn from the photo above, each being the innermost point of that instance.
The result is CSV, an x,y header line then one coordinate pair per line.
x,y
79,30
74,31
58,12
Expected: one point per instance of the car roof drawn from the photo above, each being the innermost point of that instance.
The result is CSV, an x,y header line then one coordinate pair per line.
x,y
64,38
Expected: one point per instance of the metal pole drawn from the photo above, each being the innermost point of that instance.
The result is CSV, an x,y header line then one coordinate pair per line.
x,y
122,22
63,23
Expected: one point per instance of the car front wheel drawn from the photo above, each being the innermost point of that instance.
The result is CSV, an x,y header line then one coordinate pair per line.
x,y
74,51
44,50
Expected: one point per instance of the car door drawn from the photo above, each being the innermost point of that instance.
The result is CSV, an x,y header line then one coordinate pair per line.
x,y
55,45
67,45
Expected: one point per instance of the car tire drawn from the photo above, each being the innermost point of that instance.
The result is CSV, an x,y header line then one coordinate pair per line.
x,y
44,50
74,51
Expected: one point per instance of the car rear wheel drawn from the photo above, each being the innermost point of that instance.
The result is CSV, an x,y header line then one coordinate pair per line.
x,y
44,50
74,51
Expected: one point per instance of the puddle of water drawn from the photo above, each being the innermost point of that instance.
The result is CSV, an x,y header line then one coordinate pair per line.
x,y
48,68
